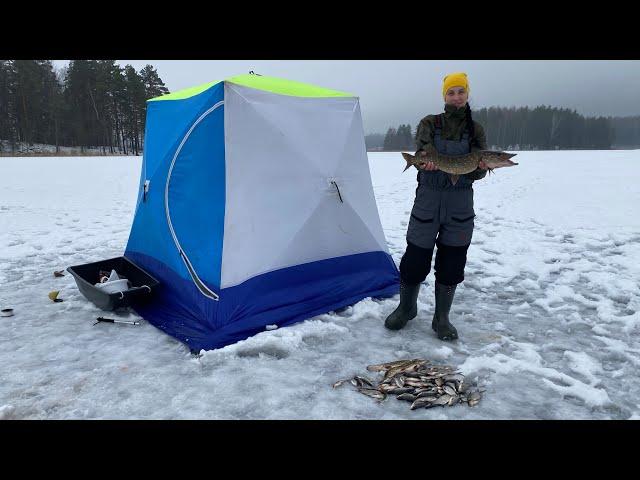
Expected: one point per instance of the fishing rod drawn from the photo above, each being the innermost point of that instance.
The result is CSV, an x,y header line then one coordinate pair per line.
x,y
111,320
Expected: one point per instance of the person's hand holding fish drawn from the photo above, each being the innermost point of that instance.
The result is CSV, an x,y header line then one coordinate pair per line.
x,y
426,165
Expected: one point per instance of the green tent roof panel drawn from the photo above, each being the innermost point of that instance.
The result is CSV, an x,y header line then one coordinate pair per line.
x,y
261,82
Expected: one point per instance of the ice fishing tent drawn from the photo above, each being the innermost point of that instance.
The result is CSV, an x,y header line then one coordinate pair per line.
x,y
255,208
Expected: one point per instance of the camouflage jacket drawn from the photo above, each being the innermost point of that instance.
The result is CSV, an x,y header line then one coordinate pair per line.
x,y
454,124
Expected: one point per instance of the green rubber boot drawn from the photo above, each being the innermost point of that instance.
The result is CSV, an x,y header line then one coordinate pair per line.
x,y
408,308
444,298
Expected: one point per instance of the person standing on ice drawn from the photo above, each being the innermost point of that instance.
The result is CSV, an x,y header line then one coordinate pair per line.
x,y
442,212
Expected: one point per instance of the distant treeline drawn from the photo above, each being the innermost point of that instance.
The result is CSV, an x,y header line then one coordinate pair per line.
x,y
540,128
627,131
86,104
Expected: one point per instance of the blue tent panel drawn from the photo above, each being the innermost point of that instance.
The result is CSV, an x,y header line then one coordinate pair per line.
x,y
196,187
282,297
197,197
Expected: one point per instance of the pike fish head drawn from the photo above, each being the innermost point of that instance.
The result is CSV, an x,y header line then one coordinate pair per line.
x,y
498,159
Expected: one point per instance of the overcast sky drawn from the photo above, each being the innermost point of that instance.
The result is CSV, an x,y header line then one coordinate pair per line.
x,y
403,91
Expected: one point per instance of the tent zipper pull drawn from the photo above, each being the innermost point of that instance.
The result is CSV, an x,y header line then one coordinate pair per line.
x,y
147,183
336,185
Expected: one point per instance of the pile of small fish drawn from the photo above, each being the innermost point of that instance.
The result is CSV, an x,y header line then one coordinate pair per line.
x,y
419,382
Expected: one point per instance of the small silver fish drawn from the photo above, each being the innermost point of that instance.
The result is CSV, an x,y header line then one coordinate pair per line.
x,y
443,400
474,398
419,391
449,390
370,392
397,390
428,396
406,396
364,380
413,383
339,382
386,388
421,403
381,367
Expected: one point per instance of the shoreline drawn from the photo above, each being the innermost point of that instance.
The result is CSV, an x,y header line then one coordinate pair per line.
x,y
64,154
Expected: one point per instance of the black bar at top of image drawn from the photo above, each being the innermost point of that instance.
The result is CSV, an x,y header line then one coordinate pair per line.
x,y
423,32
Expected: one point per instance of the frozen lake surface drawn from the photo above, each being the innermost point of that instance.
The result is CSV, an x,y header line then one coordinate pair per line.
x,y
548,314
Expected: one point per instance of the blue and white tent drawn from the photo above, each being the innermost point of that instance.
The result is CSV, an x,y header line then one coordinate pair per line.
x,y
255,208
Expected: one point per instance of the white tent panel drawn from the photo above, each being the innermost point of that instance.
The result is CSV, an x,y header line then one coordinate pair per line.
x,y
282,209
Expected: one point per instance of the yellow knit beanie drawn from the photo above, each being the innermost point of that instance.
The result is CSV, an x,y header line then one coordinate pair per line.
x,y
458,79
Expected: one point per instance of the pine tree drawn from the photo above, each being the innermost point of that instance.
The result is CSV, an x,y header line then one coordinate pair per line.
x,y
7,102
389,140
153,84
135,95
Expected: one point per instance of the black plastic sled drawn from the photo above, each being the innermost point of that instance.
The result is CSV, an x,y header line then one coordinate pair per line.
x,y
142,288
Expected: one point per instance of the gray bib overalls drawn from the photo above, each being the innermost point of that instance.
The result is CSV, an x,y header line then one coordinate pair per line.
x,y
442,215
441,209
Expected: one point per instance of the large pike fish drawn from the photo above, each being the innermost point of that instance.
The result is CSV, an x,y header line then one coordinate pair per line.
x,y
460,164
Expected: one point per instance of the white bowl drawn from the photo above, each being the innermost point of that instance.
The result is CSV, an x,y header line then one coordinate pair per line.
x,y
114,286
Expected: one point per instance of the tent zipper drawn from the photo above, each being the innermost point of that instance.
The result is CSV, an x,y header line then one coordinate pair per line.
x,y
206,291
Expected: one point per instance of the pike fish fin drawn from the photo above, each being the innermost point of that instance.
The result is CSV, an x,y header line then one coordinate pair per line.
x,y
454,178
409,159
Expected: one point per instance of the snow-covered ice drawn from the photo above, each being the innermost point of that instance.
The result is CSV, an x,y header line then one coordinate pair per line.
x,y
548,314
